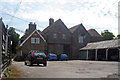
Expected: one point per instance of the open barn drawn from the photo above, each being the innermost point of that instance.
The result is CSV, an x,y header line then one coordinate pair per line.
x,y
103,50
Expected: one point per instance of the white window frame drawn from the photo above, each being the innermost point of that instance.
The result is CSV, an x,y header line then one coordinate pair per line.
x,y
80,39
63,36
32,40
35,40
54,35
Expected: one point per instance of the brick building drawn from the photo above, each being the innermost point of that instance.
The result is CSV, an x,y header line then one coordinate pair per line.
x,y
32,40
80,38
58,37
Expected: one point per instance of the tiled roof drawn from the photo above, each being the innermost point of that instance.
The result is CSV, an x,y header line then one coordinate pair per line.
x,y
56,23
81,28
94,33
102,45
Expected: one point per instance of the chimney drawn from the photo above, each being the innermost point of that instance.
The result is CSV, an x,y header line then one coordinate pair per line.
x,y
32,26
1,18
51,21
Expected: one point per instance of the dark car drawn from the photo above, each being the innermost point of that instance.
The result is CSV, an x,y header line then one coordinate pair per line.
x,y
36,58
63,57
52,56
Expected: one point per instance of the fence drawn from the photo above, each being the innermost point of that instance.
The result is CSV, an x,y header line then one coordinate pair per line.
x,y
4,57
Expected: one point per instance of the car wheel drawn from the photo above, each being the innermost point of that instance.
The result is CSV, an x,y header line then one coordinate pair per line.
x,y
25,63
45,64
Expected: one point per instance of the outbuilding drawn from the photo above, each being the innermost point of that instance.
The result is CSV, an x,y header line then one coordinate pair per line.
x,y
103,50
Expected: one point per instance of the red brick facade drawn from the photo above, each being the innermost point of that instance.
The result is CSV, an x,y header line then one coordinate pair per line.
x,y
27,46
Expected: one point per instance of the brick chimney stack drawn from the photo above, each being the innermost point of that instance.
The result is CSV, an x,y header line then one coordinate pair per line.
x,y
51,21
32,26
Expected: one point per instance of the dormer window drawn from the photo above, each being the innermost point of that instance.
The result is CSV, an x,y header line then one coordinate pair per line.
x,y
80,39
54,35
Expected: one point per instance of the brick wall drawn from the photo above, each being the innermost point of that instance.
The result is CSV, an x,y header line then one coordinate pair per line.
x,y
27,46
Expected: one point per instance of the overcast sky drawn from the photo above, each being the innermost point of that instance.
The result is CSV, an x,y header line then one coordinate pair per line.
x,y
97,14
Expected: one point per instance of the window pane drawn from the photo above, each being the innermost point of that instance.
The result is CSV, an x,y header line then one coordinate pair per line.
x,y
32,40
35,40
80,39
54,35
64,36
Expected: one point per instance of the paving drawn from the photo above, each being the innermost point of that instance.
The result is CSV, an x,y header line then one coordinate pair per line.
x,y
68,69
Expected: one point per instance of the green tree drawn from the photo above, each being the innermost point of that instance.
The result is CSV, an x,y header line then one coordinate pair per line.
x,y
14,38
118,36
107,35
39,31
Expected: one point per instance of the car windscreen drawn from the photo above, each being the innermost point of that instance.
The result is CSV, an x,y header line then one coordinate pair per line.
x,y
53,55
64,55
37,54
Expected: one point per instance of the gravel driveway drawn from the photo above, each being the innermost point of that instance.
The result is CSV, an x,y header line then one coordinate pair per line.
x,y
67,69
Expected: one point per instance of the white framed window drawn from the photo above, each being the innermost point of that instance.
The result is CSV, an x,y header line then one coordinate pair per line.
x,y
54,35
63,36
32,40
35,40
80,39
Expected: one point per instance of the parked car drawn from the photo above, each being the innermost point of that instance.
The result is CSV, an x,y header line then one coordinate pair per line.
x,y
63,57
36,58
52,56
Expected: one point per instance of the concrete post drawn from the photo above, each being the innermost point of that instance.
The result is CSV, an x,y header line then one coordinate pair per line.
x,y
96,55
0,47
87,57
106,54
